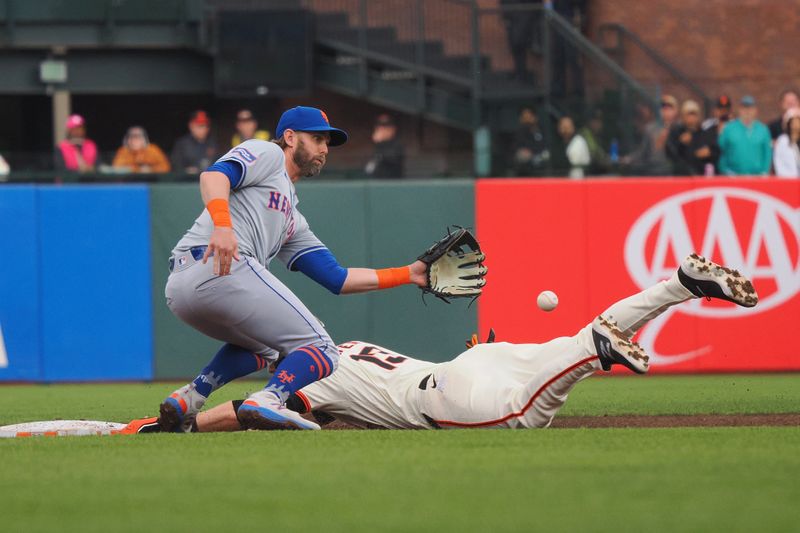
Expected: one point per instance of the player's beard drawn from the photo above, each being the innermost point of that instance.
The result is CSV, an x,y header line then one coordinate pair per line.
x,y
308,166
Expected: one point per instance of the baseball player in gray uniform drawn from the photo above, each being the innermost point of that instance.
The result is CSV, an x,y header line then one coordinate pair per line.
x,y
220,283
499,385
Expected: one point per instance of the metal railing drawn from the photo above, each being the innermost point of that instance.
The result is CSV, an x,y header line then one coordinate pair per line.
x,y
406,35
454,41
625,37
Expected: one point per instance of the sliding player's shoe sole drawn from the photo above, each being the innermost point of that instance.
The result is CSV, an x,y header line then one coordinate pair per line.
x,y
615,348
706,279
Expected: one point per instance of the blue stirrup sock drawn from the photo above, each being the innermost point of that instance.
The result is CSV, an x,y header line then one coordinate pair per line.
x,y
231,362
300,368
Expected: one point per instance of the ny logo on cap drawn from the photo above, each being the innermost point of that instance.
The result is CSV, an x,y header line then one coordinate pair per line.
x,y
324,116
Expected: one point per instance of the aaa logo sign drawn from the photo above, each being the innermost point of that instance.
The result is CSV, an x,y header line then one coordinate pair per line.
x,y
745,229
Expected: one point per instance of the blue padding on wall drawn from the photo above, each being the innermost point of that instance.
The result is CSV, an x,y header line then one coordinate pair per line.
x,y
95,276
19,285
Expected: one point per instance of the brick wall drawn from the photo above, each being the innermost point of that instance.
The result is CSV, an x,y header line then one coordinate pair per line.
x,y
447,21
731,46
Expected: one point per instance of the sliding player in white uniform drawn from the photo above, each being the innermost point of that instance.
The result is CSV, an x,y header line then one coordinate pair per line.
x,y
498,385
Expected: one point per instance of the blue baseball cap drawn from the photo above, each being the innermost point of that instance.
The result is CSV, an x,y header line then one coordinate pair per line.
x,y
303,118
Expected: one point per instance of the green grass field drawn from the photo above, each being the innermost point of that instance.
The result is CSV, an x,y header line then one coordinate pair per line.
x,y
685,479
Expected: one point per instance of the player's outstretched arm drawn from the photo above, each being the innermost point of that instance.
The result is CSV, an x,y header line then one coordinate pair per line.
x,y
222,418
451,268
321,266
219,418
215,188
367,279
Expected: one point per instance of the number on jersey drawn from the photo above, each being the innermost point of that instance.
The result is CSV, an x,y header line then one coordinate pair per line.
x,y
376,356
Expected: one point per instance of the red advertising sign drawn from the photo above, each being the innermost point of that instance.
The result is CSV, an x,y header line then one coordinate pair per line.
x,y
595,242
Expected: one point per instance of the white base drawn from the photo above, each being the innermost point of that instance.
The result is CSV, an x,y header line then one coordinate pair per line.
x,y
60,428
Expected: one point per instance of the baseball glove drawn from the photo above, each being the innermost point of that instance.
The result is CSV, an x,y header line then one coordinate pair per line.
x,y
455,266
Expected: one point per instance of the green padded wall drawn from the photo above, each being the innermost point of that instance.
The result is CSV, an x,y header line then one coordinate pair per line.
x,y
180,351
406,217
376,224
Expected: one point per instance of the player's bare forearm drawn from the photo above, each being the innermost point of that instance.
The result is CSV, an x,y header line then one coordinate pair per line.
x,y
222,418
219,418
360,280
215,188
213,185
367,279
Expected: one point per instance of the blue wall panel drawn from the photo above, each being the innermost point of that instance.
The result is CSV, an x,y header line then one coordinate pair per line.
x,y
19,285
95,275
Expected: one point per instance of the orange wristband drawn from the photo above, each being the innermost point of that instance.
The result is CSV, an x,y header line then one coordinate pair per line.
x,y
392,277
220,214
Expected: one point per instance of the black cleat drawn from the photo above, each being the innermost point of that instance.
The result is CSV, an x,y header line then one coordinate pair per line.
x,y
706,279
614,347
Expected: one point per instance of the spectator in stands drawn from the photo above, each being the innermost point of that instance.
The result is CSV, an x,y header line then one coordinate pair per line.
x,y
789,99
745,143
689,147
388,159
592,132
247,128
138,154
712,126
649,158
530,154
720,115
76,153
196,150
787,147
577,151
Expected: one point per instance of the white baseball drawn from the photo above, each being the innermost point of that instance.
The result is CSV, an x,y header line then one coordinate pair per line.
x,y
547,300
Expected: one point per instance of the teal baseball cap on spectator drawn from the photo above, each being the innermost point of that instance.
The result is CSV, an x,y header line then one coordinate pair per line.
x,y
747,101
303,118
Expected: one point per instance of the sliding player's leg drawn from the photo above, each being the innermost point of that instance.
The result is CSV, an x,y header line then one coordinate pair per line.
x,y
557,366
506,385
697,277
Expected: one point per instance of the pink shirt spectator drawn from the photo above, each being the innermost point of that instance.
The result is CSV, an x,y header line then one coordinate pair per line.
x,y
76,153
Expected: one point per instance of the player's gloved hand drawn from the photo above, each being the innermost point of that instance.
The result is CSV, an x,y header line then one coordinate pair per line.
x,y
454,266
224,247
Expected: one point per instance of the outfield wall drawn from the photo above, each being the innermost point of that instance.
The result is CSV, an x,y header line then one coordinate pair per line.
x,y
82,298
75,261
364,224
83,269
594,242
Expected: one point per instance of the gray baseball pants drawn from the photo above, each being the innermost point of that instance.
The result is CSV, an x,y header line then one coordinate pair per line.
x,y
249,308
